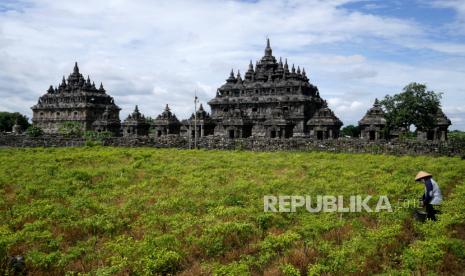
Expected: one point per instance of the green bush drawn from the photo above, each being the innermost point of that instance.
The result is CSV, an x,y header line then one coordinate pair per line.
x,y
223,237
34,131
70,129
232,269
273,246
289,270
163,263
91,135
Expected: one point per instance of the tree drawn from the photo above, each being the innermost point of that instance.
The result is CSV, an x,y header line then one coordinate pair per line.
x,y
415,105
351,130
8,119
457,138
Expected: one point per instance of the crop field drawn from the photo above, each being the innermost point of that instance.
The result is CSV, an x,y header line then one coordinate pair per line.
x,y
144,211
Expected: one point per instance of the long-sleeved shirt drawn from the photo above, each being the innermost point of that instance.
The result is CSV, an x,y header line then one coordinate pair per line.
x,y
432,193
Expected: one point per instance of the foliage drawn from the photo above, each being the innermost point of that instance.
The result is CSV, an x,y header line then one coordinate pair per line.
x,y
146,211
232,269
8,119
457,138
351,130
415,105
408,135
97,136
70,128
289,270
162,262
34,131
94,138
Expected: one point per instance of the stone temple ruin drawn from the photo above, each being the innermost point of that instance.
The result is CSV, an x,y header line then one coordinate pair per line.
x,y
373,123
78,100
272,100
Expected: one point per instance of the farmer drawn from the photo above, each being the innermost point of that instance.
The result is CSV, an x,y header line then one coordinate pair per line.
x,y
432,195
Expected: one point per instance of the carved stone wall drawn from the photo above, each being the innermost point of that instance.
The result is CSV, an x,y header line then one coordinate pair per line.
x,y
437,148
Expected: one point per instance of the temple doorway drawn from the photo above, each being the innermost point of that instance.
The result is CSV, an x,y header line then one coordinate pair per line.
x,y
372,135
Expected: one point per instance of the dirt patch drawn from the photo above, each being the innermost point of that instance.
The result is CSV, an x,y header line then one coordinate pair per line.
x,y
338,234
369,222
457,231
451,265
195,270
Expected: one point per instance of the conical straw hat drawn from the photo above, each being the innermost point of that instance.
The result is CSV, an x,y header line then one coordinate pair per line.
x,y
421,174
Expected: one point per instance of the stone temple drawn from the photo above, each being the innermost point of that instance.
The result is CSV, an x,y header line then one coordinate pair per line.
x,y
372,126
272,100
373,123
78,100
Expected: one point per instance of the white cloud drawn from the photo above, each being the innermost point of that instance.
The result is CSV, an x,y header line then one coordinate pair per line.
x,y
338,59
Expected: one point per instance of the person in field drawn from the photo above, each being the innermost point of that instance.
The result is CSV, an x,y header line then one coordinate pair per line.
x,y
432,195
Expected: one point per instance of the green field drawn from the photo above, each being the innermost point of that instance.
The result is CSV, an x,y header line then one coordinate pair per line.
x,y
145,211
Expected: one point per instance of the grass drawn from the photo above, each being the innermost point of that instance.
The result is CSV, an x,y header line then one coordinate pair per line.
x,y
145,211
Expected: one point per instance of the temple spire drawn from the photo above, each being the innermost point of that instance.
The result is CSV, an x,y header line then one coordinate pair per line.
x,y
268,51
76,68
239,78
304,75
231,78
167,108
251,66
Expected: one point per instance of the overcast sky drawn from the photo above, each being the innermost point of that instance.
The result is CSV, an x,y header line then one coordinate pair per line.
x,y
151,53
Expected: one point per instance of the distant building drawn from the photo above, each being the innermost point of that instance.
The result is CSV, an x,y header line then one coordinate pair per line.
x,y
271,101
75,99
135,124
324,124
108,122
373,123
17,129
166,123
205,125
439,131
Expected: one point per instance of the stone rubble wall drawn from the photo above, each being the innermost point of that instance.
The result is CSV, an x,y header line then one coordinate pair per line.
x,y
345,145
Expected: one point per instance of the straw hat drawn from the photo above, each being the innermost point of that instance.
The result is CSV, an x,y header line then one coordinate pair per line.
x,y
421,174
